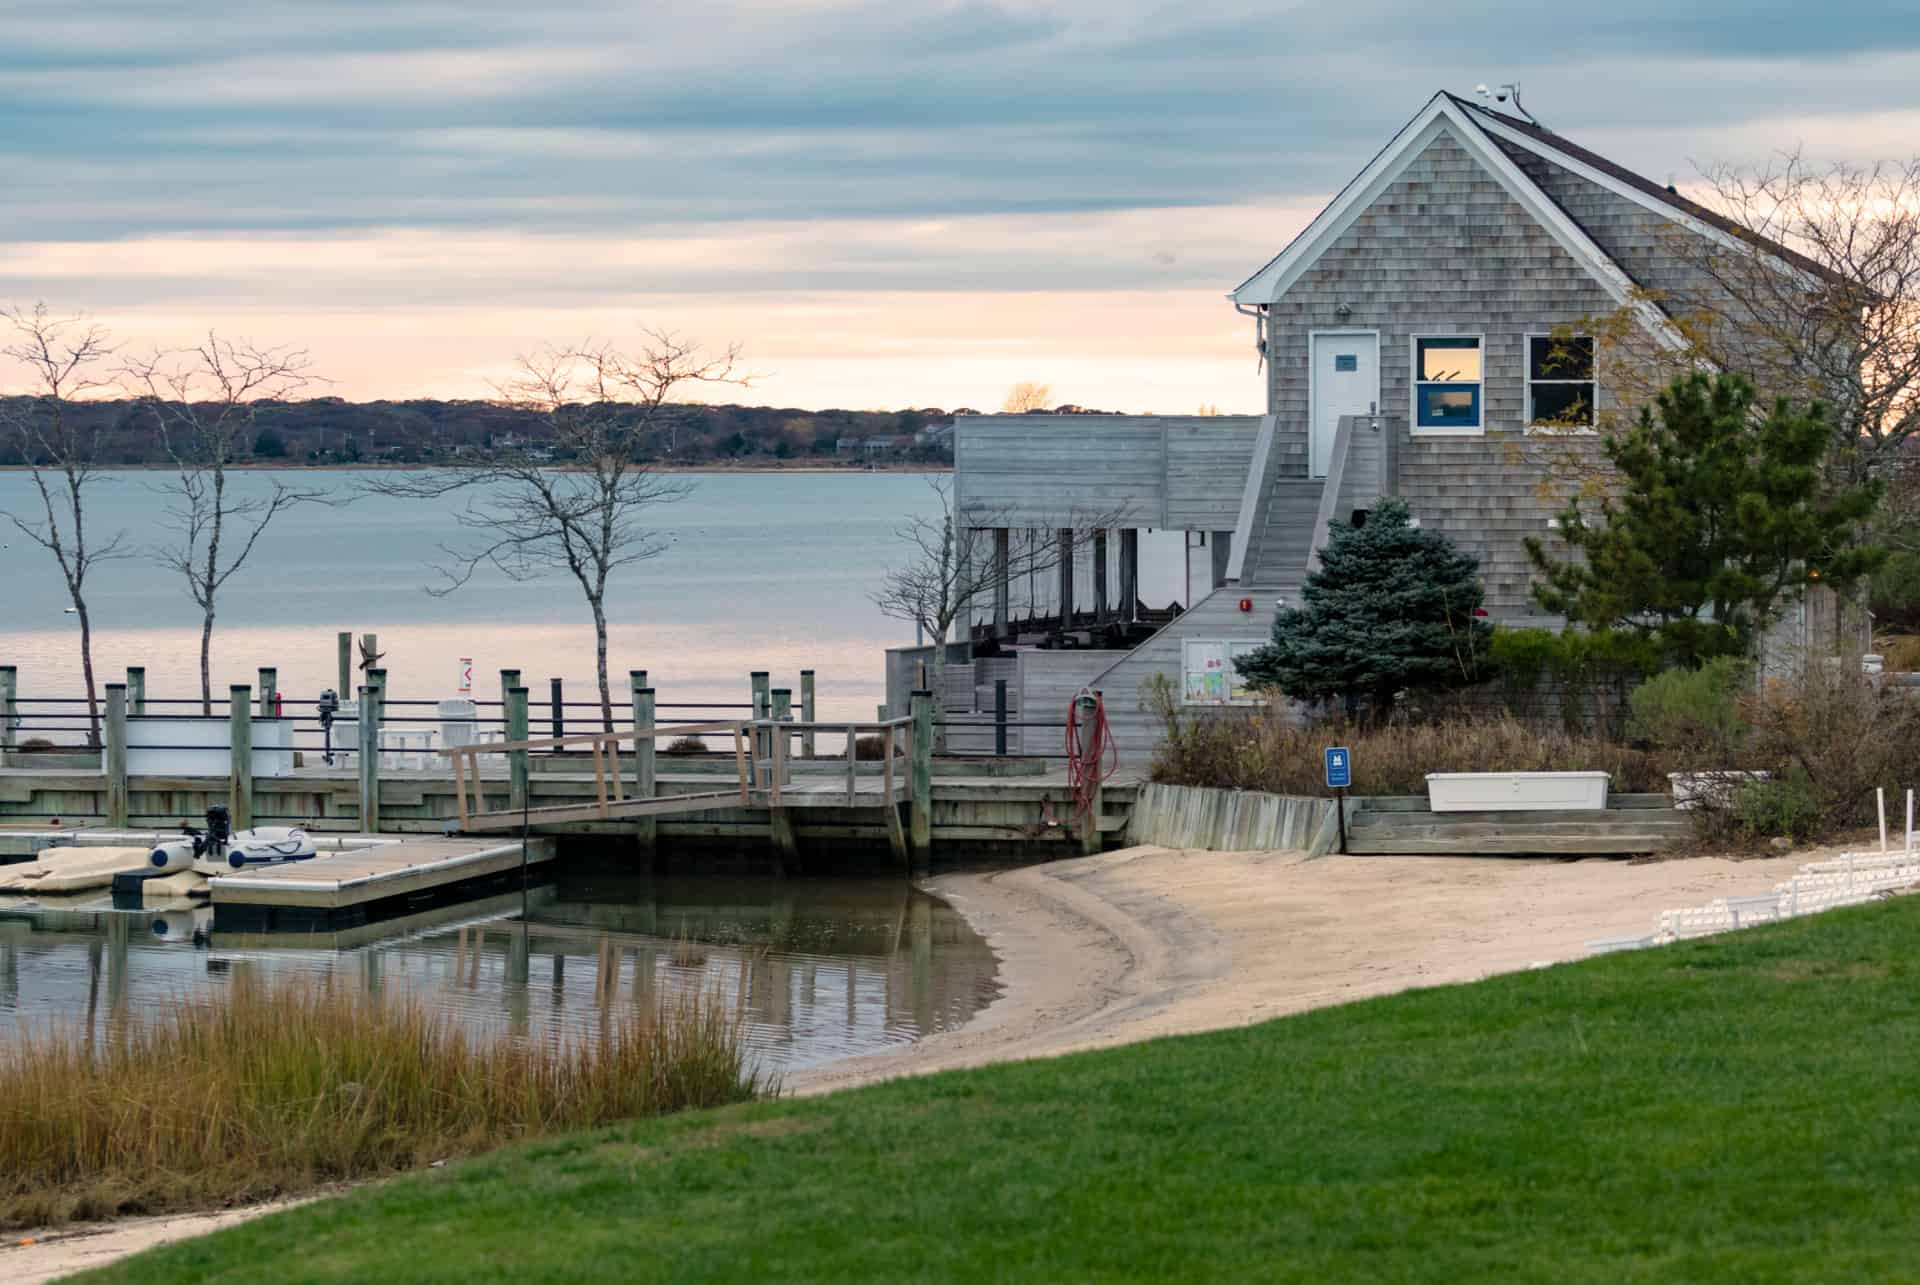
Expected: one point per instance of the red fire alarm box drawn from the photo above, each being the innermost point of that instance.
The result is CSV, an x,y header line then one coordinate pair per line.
x,y
1246,604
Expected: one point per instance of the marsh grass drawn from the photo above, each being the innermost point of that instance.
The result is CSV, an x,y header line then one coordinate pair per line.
x,y
276,1088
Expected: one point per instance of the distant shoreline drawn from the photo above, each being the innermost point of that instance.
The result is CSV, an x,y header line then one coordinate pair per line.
x,y
285,466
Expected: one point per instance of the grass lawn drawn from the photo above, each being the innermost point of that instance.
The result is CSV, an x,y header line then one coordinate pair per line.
x,y
1746,1108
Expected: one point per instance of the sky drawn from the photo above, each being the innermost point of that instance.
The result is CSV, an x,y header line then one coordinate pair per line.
x,y
886,203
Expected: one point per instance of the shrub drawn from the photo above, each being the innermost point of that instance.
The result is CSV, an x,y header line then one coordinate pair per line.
x,y
869,748
1592,672
1901,652
1788,808
1830,738
1693,713
686,745
1261,749
1390,608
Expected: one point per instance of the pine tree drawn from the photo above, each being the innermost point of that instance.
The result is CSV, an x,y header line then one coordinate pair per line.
x,y
1721,514
1390,608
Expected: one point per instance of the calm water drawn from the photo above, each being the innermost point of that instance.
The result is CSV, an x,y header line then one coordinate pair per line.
x,y
762,571
825,969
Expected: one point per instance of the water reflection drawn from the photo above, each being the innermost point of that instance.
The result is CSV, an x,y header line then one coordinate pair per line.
x,y
820,969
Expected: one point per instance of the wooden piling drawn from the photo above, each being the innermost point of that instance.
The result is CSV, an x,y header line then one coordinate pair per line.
x,y
921,807
517,766
1002,577
137,690
114,758
762,710
782,712
369,763
1100,605
1065,567
808,710
9,706
558,701
269,691
345,641
999,718
645,781
240,749
509,679
1129,575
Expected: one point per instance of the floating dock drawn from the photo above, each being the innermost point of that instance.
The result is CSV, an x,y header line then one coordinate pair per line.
x,y
346,889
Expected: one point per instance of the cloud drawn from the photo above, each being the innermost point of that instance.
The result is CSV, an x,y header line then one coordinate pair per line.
x,y
354,159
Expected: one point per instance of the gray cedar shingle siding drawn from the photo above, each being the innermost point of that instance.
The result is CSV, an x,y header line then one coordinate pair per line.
x,y
1444,249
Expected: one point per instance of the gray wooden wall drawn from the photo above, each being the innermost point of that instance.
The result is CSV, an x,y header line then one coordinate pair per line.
x,y
1164,472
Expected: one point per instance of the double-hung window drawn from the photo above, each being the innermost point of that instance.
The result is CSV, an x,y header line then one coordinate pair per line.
x,y
1447,381
1560,384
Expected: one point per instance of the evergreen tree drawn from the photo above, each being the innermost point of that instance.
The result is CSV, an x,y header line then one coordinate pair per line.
x,y
1390,608
1721,514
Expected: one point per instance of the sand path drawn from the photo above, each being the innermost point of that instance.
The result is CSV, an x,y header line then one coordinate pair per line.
x,y
1148,941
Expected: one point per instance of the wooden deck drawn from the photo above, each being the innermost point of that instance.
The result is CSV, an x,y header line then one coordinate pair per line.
x,y
339,880
1404,826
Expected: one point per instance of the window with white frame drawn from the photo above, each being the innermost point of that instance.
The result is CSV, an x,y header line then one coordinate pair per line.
x,y
1209,675
1447,381
1560,383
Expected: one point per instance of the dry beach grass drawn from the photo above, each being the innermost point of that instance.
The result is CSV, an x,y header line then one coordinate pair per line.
x,y
268,1089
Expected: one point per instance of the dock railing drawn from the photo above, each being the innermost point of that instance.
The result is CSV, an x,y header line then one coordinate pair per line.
x,y
763,771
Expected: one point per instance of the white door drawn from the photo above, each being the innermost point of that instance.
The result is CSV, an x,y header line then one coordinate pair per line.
x,y
1346,381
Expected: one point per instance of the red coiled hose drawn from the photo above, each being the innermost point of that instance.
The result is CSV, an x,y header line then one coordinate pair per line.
x,y
1100,760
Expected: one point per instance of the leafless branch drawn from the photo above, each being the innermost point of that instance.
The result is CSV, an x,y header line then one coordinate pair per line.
x,y
578,504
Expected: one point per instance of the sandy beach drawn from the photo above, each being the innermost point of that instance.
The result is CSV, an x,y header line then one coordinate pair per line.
x,y
1147,941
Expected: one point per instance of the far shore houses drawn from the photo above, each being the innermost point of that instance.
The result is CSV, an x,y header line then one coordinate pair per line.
x,y
1422,338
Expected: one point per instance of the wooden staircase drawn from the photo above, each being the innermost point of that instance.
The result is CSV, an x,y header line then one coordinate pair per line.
x,y
1405,826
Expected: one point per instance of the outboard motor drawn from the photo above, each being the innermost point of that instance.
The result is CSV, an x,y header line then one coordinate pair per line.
x,y
219,830
329,706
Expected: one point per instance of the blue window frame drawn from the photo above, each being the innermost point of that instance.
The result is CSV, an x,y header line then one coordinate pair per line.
x,y
1448,376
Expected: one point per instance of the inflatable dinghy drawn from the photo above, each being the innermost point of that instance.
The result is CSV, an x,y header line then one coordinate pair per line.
x,y
267,845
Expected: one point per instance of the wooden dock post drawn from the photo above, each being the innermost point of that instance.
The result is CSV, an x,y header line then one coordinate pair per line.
x,y
921,803
509,679
807,712
1000,718
782,712
269,691
9,706
1100,605
645,782
559,708
1129,575
517,767
1084,749
762,710
137,690
240,750
1002,578
369,764
114,758
1065,555
345,641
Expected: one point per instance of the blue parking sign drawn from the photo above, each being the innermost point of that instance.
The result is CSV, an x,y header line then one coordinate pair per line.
x,y
1339,767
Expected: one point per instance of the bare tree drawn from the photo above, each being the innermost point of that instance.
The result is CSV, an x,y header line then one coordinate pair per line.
x,y
577,505
205,401
64,358
1024,397
1805,279
947,572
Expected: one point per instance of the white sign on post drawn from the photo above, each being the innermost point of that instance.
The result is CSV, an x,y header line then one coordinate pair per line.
x,y
466,675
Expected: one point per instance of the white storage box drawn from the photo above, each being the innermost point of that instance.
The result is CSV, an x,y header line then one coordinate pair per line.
x,y
1516,791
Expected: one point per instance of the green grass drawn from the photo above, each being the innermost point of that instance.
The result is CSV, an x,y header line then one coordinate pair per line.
x,y
1746,1108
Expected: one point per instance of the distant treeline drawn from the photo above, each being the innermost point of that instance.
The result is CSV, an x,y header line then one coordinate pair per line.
x,y
330,430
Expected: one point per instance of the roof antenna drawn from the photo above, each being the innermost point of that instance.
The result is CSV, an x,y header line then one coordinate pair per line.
x,y
1506,91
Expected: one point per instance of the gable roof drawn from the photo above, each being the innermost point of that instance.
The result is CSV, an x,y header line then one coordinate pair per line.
x,y
1442,114
1476,128
1637,188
